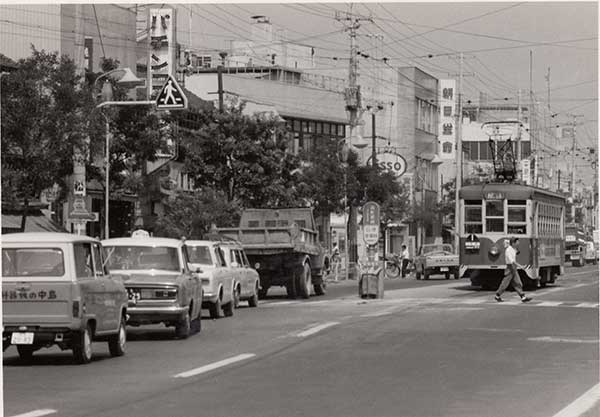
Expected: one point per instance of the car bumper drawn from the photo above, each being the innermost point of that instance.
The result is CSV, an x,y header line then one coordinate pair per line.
x,y
43,336
151,315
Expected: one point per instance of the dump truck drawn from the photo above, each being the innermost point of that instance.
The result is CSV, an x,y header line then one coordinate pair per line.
x,y
283,245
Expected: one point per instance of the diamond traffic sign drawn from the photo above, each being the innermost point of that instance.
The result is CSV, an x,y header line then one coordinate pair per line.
x,y
171,96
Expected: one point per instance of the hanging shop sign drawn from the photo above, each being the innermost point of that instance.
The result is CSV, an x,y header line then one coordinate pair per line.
x,y
391,161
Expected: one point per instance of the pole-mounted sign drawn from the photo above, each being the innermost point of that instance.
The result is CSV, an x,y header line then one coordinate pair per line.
x,y
171,96
371,223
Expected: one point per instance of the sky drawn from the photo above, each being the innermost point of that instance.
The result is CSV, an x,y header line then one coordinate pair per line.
x,y
495,37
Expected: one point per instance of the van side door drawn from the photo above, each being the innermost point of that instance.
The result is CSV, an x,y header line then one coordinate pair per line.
x,y
92,289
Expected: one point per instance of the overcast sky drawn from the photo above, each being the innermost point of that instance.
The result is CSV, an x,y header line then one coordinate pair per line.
x,y
493,35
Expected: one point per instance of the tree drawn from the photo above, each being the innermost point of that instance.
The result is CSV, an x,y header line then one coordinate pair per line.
x,y
45,115
192,214
245,157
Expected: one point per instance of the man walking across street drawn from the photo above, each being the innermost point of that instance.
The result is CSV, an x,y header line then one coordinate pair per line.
x,y
511,274
405,256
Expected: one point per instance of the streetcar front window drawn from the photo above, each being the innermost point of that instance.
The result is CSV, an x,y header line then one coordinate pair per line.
x,y
494,216
473,217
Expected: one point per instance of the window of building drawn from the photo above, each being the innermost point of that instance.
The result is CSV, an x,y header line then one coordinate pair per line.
x,y
447,111
447,147
319,128
447,129
297,126
473,218
494,216
525,149
426,116
485,153
326,128
473,150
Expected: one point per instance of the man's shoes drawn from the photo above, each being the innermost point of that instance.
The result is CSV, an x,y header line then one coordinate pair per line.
x,y
498,298
525,299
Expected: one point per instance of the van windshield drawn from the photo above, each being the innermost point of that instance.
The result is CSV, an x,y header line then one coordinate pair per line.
x,y
32,262
142,258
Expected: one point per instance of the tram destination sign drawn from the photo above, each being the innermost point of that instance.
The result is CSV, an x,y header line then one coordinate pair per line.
x,y
494,195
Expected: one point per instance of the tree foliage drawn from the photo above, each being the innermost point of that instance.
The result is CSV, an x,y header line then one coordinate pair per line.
x,y
45,114
192,214
244,157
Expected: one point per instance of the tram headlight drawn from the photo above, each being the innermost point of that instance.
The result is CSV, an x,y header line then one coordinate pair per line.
x,y
494,251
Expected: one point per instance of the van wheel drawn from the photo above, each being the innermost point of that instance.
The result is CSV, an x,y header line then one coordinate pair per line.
x,y
117,342
25,352
253,301
183,327
82,347
236,296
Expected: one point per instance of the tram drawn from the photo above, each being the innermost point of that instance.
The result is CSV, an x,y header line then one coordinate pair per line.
x,y
492,213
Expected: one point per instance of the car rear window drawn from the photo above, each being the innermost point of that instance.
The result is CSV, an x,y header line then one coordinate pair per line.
x,y
199,255
142,258
32,262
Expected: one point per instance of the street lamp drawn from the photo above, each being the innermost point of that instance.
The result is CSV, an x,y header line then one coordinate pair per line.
x,y
126,78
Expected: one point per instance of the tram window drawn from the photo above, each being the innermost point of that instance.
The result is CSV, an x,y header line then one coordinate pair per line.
x,y
472,202
517,214
494,225
517,202
474,228
517,229
473,214
494,209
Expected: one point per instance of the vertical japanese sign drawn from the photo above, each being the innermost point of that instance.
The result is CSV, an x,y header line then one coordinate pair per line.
x,y
163,45
371,223
447,128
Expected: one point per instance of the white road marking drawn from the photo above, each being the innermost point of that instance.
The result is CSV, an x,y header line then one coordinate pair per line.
x,y
215,365
36,413
483,329
384,312
567,275
548,304
582,404
587,305
561,340
317,329
475,301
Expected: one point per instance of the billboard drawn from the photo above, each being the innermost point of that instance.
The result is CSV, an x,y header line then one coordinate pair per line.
x,y
163,45
447,120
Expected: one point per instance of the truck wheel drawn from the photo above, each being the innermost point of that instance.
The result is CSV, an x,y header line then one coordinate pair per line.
x,y
253,301
456,275
447,275
117,342
290,288
82,347
319,288
215,309
183,327
25,352
304,281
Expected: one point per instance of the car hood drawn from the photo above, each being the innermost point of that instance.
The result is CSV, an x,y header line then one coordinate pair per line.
x,y
130,278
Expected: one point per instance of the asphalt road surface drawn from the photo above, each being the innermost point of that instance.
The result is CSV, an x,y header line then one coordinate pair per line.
x,y
429,348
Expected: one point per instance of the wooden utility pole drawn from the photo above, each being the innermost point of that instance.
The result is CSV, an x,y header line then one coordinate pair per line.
x,y
459,153
353,106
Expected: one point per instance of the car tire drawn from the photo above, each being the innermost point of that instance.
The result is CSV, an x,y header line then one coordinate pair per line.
x,y
426,274
456,275
447,275
215,309
184,327
304,281
117,342
228,309
253,301
82,347
25,352
262,293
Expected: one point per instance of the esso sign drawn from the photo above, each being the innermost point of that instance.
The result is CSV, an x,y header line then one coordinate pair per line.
x,y
390,161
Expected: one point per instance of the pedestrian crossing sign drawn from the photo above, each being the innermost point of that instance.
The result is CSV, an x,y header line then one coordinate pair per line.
x,y
171,96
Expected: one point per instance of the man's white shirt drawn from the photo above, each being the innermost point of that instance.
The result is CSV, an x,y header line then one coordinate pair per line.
x,y
511,255
405,254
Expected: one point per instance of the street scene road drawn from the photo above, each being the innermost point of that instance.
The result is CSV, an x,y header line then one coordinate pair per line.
x,y
428,348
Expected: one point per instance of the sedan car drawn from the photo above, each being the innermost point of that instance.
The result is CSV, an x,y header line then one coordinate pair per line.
x,y
218,281
248,282
436,259
161,286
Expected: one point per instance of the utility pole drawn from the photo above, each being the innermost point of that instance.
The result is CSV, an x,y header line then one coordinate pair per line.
x,y
573,147
533,133
459,154
519,116
353,106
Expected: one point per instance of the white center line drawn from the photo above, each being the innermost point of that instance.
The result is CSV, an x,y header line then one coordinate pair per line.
x,y
215,365
549,304
317,329
36,413
582,404
561,339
